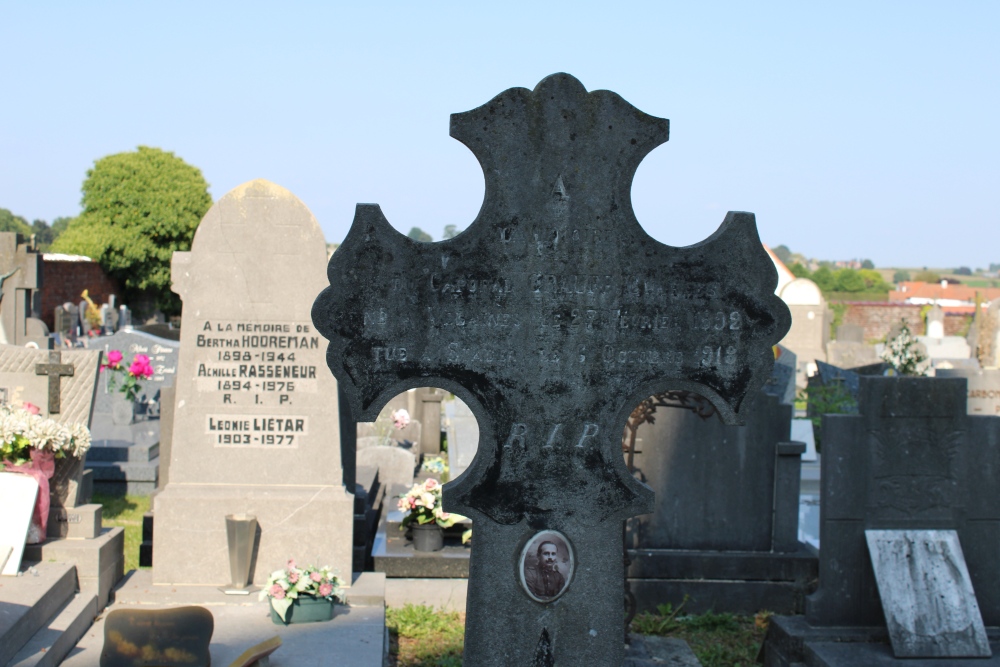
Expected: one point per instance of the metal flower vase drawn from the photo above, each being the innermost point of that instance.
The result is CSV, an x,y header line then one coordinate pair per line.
x,y
241,533
427,537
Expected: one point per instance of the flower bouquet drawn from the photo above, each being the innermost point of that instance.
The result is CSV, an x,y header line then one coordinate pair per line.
x,y
293,586
126,380
31,444
422,504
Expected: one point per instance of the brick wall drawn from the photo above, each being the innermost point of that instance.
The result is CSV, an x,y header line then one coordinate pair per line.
x,y
878,317
957,324
64,281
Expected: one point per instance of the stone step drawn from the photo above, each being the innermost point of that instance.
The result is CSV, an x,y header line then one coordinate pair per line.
x,y
124,477
137,453
29,601
56,639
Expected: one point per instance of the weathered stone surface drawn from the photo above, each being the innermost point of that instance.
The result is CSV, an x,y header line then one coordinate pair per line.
x,y
17,495
911,460
19,382
552,316
256,423
930,607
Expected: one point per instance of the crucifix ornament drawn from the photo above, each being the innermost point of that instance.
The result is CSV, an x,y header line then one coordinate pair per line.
x,y
552,316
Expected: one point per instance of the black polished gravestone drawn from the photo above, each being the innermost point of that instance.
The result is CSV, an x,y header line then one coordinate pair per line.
x,y
552,316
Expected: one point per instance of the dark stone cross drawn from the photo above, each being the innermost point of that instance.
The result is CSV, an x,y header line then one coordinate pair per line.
x,y
55,370
552,317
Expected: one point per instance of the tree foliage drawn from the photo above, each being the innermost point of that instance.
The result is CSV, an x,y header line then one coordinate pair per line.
x,y
13,223
783,253
138,209
418,234
926,276
901,276
450,232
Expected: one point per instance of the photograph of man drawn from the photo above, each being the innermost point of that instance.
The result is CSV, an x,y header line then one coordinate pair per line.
x,y
546,566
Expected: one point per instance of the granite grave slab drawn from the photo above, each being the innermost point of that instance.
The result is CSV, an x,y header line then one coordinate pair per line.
x,y
551,316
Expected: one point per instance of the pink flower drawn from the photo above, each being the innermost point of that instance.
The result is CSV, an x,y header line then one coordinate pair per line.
x,y
293,577
32,408
430,483
290,564
141,359
277,592
401,418
316,576
114,358
325,590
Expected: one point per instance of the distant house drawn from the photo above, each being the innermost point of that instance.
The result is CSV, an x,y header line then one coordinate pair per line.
x,y
943,294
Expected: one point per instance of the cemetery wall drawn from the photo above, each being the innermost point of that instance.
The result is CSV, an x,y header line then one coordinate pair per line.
x,y
64,280
878,318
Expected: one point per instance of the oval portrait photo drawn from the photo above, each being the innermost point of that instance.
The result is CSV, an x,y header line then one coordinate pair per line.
x,y
546,566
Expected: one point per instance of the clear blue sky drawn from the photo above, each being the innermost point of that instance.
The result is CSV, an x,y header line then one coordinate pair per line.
x,y
852,129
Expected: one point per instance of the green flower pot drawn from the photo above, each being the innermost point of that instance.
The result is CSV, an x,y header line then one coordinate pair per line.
x,y
305,610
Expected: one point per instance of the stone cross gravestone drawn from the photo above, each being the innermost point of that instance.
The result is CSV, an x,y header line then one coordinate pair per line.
x,y
20,282
256,422
551,316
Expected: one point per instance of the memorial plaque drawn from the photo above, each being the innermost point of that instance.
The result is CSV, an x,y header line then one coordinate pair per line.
x,y
158,638
926,592
552,317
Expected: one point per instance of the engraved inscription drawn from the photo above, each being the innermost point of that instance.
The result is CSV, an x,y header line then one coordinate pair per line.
x,y
264,365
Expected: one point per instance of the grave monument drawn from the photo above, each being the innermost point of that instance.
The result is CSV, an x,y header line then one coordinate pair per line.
x,y
20,298
551,316
909,480
256,423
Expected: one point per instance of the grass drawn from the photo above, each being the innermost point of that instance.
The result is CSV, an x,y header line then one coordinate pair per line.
x,y
423,637
125,511
718,640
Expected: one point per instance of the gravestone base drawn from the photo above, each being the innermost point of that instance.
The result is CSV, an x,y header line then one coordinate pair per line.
x,y
100,562
312,524
127,462
394,554
82,521
723,581
792,642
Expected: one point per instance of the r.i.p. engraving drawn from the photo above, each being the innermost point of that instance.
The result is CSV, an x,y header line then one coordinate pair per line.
x,y
552,316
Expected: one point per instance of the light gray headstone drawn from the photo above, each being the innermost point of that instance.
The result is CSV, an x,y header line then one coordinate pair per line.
x,y
256,424
163,356
851,333
927,595
802,431
395,465
935,322
463,437
17,498
983,388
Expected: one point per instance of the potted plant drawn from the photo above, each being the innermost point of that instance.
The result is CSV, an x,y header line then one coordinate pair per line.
x,y
126,380
302,595
47,450
424,515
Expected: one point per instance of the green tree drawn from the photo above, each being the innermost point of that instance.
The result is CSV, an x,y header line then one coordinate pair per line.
x,y
901,276
874,281
799,271
824,278
867,264
450,232
418,234
926,276
14,223
783,253
138,208
849,280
